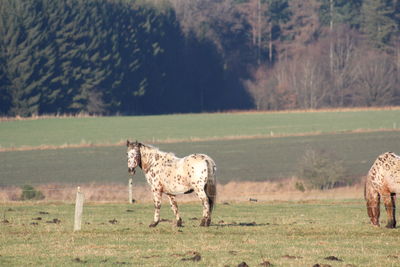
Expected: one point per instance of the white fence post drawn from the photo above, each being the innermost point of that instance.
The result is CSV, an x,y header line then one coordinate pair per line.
x,y
78,210
130,191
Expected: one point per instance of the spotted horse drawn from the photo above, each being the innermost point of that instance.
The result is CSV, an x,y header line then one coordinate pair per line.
x,y
171,175
383,182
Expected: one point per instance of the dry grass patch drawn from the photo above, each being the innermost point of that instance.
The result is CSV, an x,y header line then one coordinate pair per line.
x,y
283,190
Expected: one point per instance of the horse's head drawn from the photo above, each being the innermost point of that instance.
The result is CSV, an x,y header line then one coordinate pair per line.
x,y
134,158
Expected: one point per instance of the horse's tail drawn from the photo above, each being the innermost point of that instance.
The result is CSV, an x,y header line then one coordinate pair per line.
x,y
211,185
368,186
365,189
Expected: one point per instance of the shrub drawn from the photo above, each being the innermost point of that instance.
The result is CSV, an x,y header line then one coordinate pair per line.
x,y
299,186
320,170
30,193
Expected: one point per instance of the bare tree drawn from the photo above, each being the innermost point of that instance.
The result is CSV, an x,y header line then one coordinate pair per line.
x,y
269,89
310,79
342,56
303,27
258,88
376,80
296,83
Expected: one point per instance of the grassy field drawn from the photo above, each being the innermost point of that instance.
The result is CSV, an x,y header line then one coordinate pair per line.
x,y
256,159
283,234
112,130
245,146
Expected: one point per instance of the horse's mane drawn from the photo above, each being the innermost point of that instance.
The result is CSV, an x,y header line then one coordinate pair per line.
x,y
155,150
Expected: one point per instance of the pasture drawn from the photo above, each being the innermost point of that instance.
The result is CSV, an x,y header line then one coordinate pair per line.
x,y
257,159
246,147
47,132
280,233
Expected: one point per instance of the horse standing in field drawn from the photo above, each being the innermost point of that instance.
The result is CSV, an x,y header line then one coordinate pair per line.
x,y
383,181
171,175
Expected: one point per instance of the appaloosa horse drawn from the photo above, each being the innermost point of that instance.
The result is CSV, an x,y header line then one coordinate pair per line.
x,y
171,175
383,181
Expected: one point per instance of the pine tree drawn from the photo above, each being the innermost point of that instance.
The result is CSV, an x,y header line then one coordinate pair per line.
x,y
21,42
379,23
338,12
278,13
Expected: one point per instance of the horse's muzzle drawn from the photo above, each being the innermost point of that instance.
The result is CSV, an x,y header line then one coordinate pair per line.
x,y
131,171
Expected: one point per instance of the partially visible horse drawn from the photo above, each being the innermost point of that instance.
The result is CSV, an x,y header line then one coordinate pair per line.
x,y
171,175
383,182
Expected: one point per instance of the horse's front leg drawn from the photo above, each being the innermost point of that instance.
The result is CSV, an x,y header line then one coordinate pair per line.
x,y
174,207
373,207
157,195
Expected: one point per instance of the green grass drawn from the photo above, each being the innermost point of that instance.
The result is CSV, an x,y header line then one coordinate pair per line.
x,y
111,130
258,159
285,234
249,159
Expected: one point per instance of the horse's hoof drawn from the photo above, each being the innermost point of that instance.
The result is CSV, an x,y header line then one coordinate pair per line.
x,y
179,223
154,224
390,225
205,222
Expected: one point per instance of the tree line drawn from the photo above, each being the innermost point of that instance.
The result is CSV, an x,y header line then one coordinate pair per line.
x,y
168,56
104,56
330,53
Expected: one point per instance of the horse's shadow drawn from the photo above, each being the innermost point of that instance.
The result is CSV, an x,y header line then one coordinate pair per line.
x,y
240,224
221,223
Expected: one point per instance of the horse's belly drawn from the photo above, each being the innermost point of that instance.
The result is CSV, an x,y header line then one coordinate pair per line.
x,y
394,184
176,189
394,188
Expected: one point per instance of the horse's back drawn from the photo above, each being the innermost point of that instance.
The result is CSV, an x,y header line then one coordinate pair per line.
x,y
197,166
198,161
386,172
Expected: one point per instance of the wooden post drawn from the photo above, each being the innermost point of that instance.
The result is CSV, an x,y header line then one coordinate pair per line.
x,y
130,191
78,210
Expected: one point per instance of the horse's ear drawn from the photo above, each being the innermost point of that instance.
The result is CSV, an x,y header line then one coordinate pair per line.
x,y
128,143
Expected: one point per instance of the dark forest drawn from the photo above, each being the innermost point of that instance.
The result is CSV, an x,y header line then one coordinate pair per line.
x,y
131,57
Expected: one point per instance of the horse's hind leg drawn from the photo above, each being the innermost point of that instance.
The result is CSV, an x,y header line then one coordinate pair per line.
x,y
390,206
157,206
174,207
206,209
373,202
